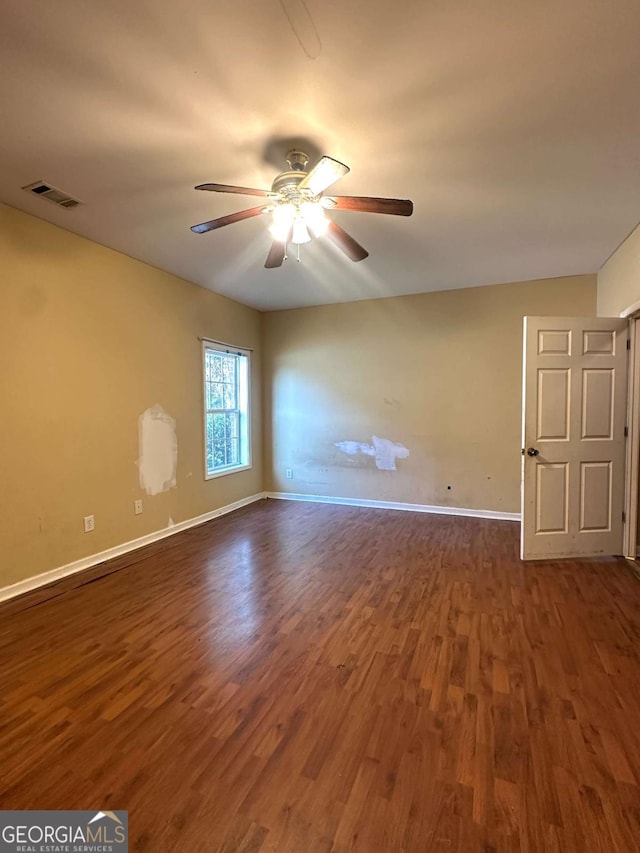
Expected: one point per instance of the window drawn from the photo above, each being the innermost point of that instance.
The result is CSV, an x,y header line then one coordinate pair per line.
x,y
226,410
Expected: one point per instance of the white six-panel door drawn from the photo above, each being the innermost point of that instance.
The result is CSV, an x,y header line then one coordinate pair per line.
x,y
574,410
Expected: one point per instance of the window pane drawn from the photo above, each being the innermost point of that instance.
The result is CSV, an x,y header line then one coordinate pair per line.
x,y
230,397
225,439
214,395
229,369
219,456
209,433
230,439
217,374
213,367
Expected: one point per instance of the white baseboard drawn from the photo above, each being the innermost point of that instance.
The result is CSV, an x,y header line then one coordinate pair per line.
x,y
45,578
438,510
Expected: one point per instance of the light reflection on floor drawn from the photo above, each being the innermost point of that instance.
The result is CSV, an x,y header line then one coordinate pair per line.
x,y
235,580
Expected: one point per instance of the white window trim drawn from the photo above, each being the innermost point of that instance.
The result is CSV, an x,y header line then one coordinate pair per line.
x,y
225,348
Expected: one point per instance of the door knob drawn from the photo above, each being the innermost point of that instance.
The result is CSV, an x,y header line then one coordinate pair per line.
x,y
532,451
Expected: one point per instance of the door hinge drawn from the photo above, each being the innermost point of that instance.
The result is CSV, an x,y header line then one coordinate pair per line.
x,y
626,432
628,343
624,517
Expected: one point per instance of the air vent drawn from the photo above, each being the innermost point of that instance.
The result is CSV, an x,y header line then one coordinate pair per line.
x,y
55,196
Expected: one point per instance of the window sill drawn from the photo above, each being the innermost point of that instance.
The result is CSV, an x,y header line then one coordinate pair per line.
x,y
224,471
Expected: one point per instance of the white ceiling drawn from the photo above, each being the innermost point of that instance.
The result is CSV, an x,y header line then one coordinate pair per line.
x,y
514,126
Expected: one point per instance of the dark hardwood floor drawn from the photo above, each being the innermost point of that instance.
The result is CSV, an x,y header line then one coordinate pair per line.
x,y
302,678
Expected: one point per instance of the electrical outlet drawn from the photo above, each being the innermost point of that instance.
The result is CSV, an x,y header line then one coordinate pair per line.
x,y
89,523
289,473
137,507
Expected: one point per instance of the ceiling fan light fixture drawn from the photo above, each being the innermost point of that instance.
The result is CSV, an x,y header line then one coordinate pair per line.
x,y
292,221
282,216
300,232
314,218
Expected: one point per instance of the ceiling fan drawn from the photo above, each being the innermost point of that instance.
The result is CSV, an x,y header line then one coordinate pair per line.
x,y
297,205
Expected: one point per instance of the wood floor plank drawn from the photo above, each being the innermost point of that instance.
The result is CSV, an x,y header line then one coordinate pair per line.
x,y
296,677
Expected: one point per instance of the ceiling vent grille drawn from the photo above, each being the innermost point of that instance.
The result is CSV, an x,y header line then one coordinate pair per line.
x,y
52,194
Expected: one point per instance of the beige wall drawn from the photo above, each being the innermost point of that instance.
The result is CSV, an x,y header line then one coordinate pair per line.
x,y
89,339
619,278
439,373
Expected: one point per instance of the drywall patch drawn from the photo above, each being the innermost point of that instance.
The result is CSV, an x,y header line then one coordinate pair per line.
x,y
383,450
158,448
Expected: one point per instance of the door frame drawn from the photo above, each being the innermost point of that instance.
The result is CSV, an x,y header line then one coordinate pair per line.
x,y
632,462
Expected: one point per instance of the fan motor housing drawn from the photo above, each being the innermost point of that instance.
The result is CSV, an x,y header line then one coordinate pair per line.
x,y
287,182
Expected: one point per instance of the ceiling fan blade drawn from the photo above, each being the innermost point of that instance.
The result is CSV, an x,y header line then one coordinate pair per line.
x,y
325,173
225,188
203,227
344,241
367,204
276,253
275,256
